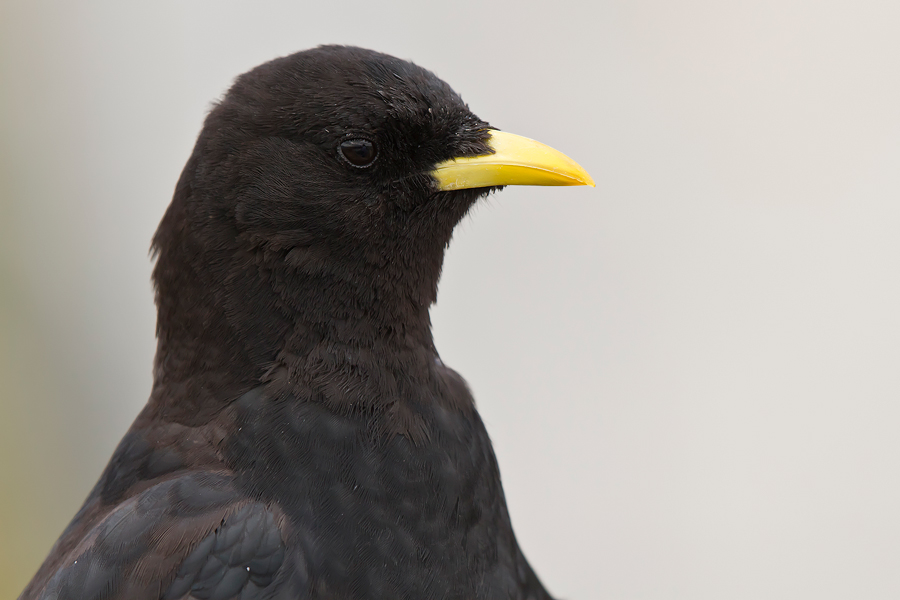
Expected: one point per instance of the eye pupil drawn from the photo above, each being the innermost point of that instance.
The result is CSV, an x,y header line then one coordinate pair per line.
x,y
359,152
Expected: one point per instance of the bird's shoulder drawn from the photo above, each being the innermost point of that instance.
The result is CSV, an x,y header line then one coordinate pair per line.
x,y
166,520
193,535
283,496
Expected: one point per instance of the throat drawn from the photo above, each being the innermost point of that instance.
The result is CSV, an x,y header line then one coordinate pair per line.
x,y
354,341
354,332
325,341
360,365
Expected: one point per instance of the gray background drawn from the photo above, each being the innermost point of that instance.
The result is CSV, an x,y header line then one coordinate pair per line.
x,y
691,373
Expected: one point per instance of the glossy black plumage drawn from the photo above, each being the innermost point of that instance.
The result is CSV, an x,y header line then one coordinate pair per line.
x,y
303,438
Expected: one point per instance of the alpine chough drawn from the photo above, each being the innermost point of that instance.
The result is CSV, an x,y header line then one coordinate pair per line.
x,y
303,439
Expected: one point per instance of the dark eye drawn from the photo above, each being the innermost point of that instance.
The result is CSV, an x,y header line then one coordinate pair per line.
x,y
359,152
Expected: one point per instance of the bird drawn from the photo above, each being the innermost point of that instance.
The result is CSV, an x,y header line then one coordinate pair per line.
x,y
302,438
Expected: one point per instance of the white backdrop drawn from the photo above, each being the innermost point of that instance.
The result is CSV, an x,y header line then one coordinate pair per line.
x,y
691,373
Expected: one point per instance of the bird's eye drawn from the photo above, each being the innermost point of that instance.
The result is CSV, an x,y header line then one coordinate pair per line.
x,y
359,152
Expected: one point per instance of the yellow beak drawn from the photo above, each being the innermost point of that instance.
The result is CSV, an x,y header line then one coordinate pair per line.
x,y
516,160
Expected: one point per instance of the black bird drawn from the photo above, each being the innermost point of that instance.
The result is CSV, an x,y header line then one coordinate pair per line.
x,y
303,439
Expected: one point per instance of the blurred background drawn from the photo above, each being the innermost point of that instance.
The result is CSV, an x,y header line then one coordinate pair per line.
x,y
691,373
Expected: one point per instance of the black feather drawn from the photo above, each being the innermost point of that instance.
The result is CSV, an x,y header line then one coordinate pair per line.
x,y
303,438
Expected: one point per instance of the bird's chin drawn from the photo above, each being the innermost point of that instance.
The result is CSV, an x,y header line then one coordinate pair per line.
x,y
460,201
473,195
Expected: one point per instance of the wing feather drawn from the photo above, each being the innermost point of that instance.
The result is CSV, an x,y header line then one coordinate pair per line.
x,y
193,536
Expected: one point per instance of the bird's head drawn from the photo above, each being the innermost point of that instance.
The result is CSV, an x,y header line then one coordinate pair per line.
x,y
323,190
